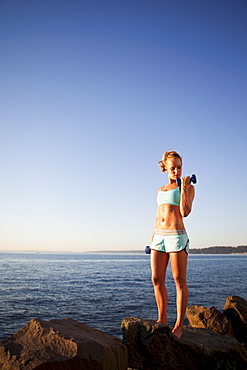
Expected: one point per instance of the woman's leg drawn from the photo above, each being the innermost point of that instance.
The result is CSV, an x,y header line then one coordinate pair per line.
x,y
159,262
179,269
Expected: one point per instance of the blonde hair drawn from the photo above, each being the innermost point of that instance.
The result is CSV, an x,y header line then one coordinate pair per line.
x,y
166,155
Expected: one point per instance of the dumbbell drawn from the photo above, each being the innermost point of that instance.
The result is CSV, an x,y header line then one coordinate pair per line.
x,y
192,179
147,250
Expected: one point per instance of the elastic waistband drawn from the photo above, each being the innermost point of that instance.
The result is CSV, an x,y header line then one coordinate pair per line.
x,y
169,232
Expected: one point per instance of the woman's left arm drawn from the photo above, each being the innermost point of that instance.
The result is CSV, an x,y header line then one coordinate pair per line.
x,y
187,196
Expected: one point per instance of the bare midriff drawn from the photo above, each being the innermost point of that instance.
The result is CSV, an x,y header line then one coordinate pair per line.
x,y
169,218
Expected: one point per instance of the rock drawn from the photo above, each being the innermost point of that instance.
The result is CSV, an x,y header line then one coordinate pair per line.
x,y
239,327
152,346
61,344
236,310
239,304
208,318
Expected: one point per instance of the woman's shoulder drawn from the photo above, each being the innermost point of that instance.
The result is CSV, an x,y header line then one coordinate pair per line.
x,y
163,187
159,189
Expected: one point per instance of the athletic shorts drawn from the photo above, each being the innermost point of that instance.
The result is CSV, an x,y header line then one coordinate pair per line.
x,y
170,241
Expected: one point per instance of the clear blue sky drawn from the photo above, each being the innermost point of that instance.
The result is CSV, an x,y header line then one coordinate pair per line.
x,y
93,93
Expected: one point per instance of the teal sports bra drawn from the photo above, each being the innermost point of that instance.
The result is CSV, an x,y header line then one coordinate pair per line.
x,y
172,196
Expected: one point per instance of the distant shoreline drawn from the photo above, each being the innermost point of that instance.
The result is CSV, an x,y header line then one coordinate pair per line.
x,y
241,249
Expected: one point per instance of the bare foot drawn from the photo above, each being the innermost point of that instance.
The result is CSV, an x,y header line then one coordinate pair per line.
x,y
162,322
178,332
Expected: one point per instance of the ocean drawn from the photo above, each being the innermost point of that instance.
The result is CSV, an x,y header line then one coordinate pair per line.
x,y
100,289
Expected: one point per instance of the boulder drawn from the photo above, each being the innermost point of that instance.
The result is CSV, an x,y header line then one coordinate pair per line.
x,y
152,346
236,310
61,344
239,304
208,318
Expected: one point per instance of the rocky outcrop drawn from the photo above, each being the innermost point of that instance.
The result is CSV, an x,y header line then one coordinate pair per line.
x,y
152,346
70,345
61,344
209,318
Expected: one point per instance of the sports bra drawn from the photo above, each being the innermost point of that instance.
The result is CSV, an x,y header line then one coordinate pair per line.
x,y
169,197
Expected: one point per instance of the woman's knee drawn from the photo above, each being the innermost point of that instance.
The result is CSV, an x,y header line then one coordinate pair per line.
x,y
180,281
158,280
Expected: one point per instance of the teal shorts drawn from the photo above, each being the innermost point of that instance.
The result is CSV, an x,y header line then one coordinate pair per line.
x,y
169,241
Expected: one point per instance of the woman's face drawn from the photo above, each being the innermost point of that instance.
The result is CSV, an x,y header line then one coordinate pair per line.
x,y
174,168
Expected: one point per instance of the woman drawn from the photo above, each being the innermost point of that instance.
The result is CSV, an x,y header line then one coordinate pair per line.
x,y
170,240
